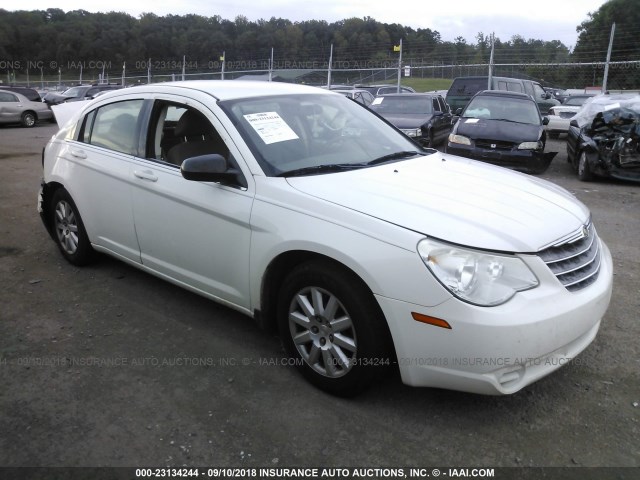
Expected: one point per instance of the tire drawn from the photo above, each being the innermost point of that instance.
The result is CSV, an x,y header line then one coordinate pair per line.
x,y
331,325
584,171
432,143
68,230
28,119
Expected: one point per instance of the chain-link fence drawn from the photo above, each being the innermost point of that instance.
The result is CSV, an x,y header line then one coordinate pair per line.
x,y
622,75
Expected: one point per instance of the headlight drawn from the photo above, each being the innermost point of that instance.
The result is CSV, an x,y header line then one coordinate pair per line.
x,y
412,132
478,277
461,139
530,145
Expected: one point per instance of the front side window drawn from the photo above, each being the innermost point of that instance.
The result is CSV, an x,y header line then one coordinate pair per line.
x,y
113,126
178,132
538,91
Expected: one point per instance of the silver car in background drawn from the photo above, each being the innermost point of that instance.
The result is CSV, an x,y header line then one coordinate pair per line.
x,y
16,108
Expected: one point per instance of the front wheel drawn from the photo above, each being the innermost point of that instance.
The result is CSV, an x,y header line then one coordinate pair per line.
x,y
69,232
331,324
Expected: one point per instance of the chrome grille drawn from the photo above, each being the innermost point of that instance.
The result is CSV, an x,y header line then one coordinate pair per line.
x,y
494,144
576,261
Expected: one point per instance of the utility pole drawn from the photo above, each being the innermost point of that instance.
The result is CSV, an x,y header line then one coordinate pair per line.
x,y
329,70
490,80
400,66
606,65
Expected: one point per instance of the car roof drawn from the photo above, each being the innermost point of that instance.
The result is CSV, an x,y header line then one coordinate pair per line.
x,y
21,97
503,93
228,89
410,95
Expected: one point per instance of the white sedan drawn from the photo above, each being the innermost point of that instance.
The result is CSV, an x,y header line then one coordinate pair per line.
x,y
560,116
304,210
18,109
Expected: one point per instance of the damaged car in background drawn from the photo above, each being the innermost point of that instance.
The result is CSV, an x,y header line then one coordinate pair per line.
x,y
603,138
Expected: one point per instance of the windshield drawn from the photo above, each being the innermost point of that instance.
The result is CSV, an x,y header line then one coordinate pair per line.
x,y
575,101
521,110
73,92
403,104
292,133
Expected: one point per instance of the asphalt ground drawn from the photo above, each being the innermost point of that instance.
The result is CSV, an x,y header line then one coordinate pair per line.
x,y
108,366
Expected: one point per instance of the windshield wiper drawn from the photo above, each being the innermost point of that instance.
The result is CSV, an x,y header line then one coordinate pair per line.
x,y
394,156
315,169
505,120
342,167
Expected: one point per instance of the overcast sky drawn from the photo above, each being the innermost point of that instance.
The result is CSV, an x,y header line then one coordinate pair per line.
x,y
538,19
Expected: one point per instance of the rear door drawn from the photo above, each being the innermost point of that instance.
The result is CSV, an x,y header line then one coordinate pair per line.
x,y
101,158
9,107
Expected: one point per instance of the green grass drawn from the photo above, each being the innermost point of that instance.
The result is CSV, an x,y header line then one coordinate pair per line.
x,y
420,84
426,84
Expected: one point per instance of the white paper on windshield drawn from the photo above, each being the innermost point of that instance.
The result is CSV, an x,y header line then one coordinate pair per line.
x,y
611,107
377,101
271,127
471,120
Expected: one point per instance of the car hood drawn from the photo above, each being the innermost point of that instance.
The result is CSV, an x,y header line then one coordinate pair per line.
x,y
55,97
407,121
458,200
498,130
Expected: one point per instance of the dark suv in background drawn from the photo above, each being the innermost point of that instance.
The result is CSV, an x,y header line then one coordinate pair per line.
x,y
463,88
79,92
30,93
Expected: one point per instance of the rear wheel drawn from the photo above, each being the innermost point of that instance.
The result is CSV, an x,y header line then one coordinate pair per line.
x,y
584,170
28,119
331,324
69,231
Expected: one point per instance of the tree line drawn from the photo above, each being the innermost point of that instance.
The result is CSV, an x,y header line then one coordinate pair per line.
x,y
54,37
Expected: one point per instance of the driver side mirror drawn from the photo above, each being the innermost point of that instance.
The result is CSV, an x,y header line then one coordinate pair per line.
x,y
210,168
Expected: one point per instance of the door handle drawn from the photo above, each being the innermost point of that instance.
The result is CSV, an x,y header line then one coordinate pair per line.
x,y
76,152
145,175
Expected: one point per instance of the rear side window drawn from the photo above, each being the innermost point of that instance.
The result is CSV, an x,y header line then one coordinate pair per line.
x,y
113,126
7,97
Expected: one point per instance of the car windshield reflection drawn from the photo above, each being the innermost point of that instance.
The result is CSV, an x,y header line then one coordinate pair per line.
x,y
290,133
499,108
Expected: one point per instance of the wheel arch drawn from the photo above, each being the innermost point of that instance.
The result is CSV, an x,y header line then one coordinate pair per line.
x,y
277,271
32,112
48,190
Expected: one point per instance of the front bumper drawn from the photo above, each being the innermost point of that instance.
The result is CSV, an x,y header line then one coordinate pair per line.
x,y
523,160
499,350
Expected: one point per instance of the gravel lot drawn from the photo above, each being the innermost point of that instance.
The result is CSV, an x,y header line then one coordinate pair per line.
x,y
108,366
